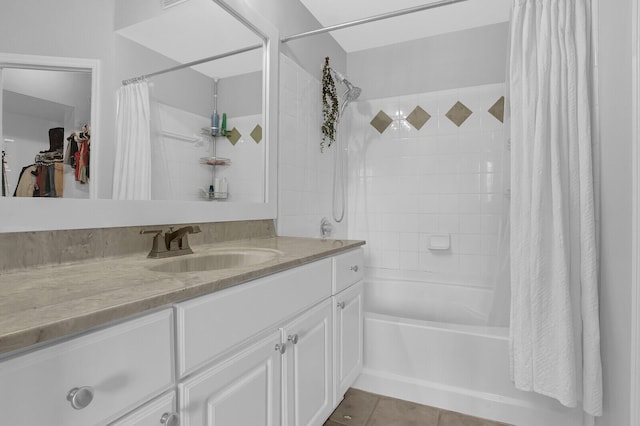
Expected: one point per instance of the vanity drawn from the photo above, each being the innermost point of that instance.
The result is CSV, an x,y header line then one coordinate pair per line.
x,y
272,343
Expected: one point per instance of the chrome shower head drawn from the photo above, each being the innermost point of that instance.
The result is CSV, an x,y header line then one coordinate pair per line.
x,y
351,94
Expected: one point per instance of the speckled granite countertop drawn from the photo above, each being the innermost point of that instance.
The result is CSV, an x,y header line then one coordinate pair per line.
x,y
48,302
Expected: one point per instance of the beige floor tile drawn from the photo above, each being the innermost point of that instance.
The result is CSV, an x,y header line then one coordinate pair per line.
x,y
448,418
355,409
395,412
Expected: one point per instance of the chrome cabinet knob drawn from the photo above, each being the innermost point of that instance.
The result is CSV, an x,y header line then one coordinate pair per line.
x,y
170,419
281,348
341,305
354,268
80,397
293,339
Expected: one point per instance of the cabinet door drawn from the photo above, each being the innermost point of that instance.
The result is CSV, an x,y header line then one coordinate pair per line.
x,y
308,367
245,389
347,339
159,412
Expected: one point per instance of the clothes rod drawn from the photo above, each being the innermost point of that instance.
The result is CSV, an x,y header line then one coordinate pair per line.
x,y
371,19
191,64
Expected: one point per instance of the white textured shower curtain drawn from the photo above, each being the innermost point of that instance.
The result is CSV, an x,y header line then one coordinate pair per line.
x,y
132,170
554,337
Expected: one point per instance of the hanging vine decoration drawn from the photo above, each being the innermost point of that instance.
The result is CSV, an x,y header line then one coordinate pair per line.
x,y
329,106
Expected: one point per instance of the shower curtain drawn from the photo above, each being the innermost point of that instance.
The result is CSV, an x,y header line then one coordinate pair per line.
x,y
132,170
554,333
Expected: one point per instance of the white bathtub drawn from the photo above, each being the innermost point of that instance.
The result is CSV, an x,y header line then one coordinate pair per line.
x,y
412,354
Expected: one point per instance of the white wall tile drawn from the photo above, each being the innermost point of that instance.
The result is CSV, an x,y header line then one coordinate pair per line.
x,y
440,179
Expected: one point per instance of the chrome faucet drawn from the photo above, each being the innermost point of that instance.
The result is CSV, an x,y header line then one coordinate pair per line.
x,y
175,242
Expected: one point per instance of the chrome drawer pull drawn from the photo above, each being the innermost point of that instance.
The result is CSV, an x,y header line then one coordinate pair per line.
x,y
293,339
341,305
281,348
354,268
170,419
80,397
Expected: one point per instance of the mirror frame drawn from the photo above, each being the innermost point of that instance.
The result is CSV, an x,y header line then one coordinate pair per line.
x,y
25,214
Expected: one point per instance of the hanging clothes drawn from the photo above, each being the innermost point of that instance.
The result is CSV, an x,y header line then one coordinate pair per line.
x,y
26,182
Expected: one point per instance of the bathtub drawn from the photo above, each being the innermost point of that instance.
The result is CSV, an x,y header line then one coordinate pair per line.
x,y
425,342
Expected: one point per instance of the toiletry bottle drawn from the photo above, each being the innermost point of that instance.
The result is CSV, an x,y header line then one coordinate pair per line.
x,y
223,126
215,119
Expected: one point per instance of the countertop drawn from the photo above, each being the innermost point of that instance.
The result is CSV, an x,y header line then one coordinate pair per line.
x,y
48,302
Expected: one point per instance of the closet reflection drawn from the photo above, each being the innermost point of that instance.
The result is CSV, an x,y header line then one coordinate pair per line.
x,y
46,132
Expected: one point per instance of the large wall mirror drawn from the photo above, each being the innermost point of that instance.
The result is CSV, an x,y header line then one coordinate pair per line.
x,y
198,174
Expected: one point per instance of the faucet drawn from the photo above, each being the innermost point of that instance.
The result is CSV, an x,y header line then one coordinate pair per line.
x,y
175,242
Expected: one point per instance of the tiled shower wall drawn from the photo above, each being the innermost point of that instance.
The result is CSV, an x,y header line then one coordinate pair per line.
x,y
178,172
407,185
305,175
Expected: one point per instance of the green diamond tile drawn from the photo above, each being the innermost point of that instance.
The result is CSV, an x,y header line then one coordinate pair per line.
x,y
459,113
381,121
234,136
256,133
418,117
497,109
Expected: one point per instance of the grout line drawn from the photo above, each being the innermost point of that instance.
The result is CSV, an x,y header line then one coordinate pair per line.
x,y
372,411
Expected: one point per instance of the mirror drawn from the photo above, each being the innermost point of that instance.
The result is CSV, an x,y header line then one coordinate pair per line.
x,y
45,131
189,161
115,50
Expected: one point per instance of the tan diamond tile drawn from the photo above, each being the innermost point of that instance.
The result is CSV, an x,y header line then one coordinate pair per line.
x,y
497,109
381,121
234,136
418,117
256,133
459,113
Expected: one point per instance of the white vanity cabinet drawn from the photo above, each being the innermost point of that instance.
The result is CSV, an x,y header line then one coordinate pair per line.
x,y
308,367
245,389
348,338
347,320
91,379
162,411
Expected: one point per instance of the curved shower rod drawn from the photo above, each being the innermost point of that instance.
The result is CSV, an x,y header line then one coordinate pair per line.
x,y
371,19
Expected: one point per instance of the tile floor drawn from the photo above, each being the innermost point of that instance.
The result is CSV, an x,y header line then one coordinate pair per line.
x,y
361,408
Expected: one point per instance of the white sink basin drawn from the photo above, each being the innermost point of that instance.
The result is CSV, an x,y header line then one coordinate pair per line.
x,y
213,261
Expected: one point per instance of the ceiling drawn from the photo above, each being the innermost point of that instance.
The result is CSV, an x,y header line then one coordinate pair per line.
x,y
449,18
173,32
199,29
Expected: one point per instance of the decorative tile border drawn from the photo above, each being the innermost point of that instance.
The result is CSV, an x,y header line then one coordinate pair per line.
x,y
458,114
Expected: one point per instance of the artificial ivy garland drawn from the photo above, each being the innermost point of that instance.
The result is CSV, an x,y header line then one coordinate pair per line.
x,y
329,106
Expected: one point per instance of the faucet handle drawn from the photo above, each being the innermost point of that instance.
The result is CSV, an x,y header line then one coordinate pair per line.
x,y
151,231
156,247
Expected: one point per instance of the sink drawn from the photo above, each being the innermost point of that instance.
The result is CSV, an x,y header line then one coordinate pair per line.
x,y
217,260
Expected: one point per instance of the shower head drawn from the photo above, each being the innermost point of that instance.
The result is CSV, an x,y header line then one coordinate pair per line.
x,y
351,94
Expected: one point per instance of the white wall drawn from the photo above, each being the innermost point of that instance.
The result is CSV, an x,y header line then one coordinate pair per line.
x,y
616,192
305,175
448,61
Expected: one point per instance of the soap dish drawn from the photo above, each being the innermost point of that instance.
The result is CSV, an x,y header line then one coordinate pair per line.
x,y
215,161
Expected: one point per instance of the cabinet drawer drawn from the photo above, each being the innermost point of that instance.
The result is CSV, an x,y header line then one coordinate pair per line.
x,y
153,413
124,365
348,268
211,325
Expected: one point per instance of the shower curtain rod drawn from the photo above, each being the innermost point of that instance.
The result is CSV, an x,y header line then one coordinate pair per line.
x,y
371,19
193,63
